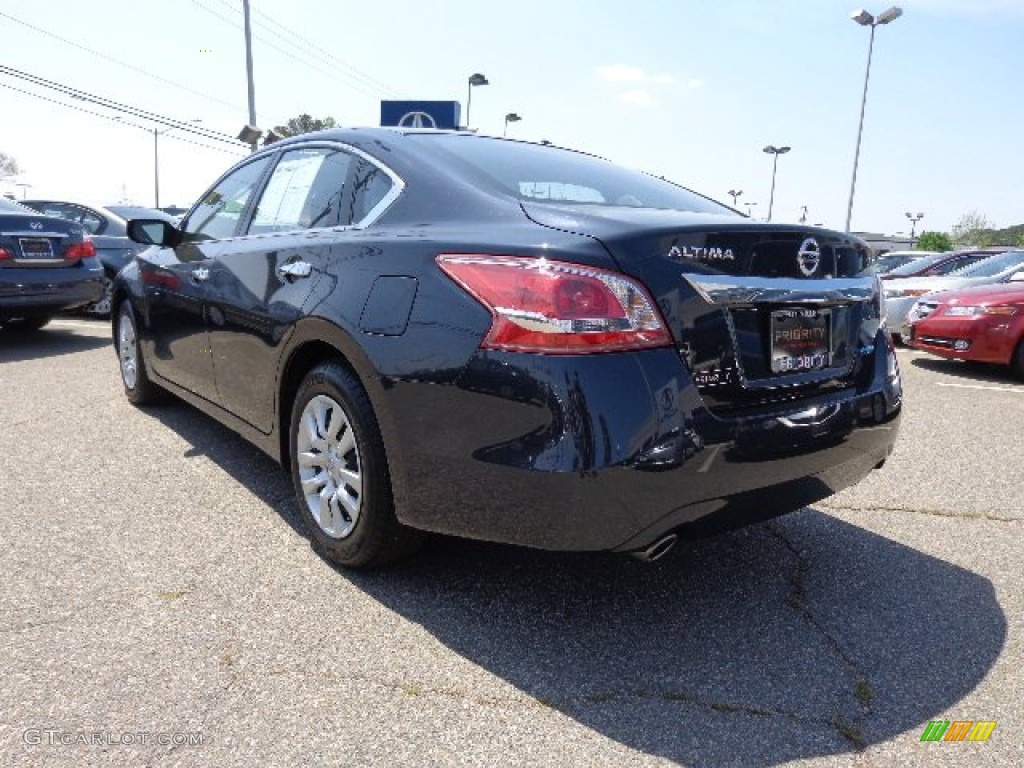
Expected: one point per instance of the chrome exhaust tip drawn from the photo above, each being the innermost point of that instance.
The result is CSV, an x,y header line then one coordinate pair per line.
x,y
657,550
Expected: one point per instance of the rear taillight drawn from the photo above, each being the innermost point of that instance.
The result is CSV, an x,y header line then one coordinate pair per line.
x,y
82,250
556,307
5,254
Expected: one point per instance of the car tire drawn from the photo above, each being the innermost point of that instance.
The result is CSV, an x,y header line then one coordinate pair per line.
x,y
1017,364
137,385
26,324
340,473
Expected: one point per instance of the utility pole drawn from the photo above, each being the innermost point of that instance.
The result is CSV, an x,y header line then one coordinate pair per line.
x,y
248,69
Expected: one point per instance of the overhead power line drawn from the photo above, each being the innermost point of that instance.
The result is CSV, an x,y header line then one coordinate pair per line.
x,y
308,44
298,53
116,119
120,63
115,106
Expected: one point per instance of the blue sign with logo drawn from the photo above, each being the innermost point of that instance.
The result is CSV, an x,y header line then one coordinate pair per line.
x,y
421,114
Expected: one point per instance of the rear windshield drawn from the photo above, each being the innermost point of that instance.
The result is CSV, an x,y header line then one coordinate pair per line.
x,y
9,206
545,174
993,265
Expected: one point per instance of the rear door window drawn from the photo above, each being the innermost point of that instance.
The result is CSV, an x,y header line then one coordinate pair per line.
x,y
304,191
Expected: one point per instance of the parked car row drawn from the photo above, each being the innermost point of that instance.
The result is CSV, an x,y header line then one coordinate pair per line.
x,y
961,269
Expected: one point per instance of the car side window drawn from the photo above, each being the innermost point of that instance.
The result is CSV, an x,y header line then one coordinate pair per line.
x,y
304,191
218,213
370,185
92,223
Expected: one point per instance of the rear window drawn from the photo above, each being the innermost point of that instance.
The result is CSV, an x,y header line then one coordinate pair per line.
x,y
546,174
9,206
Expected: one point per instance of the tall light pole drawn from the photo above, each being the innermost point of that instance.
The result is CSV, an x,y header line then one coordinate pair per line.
x,y
248,69
474,80
865,19
775,152
913,225
734,193
511,117
157,133
750,211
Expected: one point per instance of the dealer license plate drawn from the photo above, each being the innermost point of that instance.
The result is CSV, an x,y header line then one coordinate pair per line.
x,y
801,340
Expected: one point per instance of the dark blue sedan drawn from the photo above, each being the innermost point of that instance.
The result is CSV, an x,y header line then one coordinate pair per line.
x,y
449,332
47,265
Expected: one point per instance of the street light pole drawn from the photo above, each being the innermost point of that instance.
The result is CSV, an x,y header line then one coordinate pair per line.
x,y
157,133
156,168
750,210
913,226
775,152
248,68
734,193
475,79
511,117
865,19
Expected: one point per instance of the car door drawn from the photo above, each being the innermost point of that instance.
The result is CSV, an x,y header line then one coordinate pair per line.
x,y
260,282
175,281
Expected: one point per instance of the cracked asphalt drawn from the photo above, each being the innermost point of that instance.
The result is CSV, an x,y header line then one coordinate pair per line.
x,y
157,581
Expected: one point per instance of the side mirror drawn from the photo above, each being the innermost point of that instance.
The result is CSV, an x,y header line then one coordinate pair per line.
x,y
1017,277
154,232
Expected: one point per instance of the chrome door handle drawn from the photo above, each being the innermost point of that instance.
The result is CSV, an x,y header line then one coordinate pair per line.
x,y
295,269
200,273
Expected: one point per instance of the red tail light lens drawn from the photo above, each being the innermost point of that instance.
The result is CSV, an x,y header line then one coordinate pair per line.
x,y
81,250
5,254
557,307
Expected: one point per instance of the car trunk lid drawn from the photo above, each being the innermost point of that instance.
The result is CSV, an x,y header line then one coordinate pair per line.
x,y
761,313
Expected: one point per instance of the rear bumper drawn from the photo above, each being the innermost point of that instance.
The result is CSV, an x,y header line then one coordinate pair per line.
x,y
36,291
610,452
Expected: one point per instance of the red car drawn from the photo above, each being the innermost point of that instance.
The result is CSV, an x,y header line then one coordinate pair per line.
x,y
984,324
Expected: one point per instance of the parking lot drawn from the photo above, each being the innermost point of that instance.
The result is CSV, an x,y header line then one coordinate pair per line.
x,y
160,594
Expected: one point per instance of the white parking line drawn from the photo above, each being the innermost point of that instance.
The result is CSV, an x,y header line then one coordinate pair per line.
x,y
1018,390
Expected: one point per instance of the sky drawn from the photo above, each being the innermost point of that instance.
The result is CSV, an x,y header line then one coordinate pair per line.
x,y
687,89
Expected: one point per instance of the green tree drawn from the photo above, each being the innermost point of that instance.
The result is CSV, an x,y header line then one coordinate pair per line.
x,y
304,124
8,166
934,241
973,229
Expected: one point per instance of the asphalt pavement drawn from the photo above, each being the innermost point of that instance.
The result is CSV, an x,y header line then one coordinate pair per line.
x,y
162,606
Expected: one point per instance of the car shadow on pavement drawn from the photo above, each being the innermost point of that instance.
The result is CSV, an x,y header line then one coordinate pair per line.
x,y
804,636
801,637
51,341
987,373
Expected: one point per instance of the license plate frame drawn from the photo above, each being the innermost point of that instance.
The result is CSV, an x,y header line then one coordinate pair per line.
x,y
800,340
36,248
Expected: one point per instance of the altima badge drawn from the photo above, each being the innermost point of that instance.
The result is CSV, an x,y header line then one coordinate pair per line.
x,y
808,257
677,253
